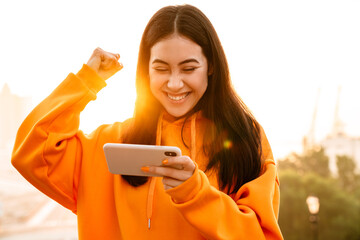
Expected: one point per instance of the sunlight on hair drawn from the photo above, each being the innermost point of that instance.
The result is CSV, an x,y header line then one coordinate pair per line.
x,y
227,144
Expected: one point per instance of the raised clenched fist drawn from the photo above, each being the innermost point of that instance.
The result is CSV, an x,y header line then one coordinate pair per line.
x,y
104,63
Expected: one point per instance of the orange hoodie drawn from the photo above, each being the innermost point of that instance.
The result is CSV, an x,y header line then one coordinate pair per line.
x,y
69,166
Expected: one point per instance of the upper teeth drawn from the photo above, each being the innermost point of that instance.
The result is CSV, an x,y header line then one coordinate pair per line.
x,y
177,98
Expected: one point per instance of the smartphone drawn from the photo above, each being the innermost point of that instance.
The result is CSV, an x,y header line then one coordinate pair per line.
x,y
128,159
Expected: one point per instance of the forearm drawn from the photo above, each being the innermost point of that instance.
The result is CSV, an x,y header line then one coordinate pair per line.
x,y
249,214
47,150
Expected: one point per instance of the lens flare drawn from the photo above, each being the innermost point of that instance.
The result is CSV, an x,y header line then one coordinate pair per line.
x,y
227,144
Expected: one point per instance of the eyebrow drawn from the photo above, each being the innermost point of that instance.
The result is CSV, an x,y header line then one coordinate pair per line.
x,y
183,62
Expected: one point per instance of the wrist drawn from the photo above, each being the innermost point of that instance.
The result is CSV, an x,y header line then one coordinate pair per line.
x,y
187,190
91,78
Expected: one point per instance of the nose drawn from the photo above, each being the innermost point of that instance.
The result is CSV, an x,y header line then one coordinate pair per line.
x,y
175,82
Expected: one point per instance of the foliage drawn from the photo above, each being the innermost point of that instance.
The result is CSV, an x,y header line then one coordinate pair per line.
x,y
293,217
339,215
312,161
346,170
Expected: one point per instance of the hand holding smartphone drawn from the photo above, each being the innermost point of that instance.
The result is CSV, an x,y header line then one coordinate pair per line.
x,y
128,159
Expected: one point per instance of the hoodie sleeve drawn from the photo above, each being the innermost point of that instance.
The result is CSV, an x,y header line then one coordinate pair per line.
x,y
48,149
251,213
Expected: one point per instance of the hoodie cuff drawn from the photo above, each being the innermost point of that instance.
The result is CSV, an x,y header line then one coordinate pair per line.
x,y
91,79
187,190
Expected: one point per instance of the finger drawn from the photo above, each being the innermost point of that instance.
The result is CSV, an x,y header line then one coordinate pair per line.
x,y
121,66
110,62
171,182
184,162
181,175
115,55
167,187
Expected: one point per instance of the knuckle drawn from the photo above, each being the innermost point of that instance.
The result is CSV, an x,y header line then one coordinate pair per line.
x,y
118,65
165,180
97,50
114,60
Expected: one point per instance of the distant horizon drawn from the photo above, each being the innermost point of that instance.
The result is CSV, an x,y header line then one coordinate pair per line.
x,y
279,53
279,148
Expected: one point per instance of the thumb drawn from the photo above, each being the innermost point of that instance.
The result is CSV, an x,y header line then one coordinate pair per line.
x,y
95,60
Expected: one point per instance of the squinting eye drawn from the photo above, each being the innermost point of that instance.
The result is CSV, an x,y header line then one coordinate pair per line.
x,y
160,69
189,69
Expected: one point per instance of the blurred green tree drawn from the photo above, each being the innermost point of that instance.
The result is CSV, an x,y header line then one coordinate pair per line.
x,y
300,176
346,171
315,161
293,216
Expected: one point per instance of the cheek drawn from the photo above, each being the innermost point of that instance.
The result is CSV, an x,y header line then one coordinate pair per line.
x,y
155,84
203,88
200,83
152,85
157,80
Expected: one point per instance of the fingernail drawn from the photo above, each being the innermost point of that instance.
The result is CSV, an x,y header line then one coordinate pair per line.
x,y
145,169
165,161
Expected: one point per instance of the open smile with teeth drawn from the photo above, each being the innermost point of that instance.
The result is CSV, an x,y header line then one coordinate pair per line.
x,y
178,97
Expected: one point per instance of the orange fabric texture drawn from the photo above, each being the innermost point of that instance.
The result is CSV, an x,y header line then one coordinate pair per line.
x,y
69,166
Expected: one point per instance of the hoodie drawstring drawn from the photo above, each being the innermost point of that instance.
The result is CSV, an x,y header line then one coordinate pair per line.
x,y
150,198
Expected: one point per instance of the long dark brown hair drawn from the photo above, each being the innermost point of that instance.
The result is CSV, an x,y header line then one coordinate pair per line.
x,y
234,125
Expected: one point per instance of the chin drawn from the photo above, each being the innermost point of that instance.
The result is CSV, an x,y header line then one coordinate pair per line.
x,y
177,114
181,114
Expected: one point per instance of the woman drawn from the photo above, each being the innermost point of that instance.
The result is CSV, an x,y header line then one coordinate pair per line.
x,y
228,187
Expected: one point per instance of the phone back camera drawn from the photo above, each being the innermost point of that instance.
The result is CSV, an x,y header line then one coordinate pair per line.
x,y
170,154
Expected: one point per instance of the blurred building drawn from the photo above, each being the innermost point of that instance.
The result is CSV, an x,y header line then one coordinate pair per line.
x,y
25,213
337,143
341,144
13,110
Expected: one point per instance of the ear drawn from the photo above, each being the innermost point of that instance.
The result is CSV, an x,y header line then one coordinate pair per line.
x,y
210,70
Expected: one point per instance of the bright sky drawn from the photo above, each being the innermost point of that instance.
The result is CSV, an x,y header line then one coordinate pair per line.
x,y
280,53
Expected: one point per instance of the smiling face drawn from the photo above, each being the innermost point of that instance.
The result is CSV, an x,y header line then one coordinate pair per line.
x,y
178,73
